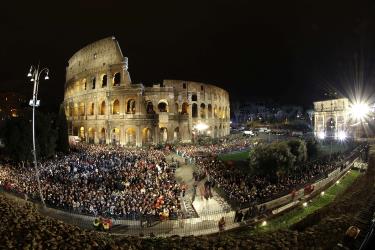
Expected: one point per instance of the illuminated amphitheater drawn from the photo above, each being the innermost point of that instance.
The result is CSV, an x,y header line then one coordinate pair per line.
x,y
102,105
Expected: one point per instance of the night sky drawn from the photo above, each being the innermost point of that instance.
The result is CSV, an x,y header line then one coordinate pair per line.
x,y
288,51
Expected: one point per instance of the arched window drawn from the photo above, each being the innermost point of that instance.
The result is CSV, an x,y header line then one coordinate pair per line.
x,y
102,108
91,135
130,107
102,136
104,81
81,109
117,79
93,82
209,111
116,107
185,108
91,108
163,107
176,107
75,109
194,111
84,83
194,97
150,108
203,110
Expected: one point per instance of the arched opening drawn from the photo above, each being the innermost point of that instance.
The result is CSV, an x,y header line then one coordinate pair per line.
x,y
220,113
215,111
163,106
93,83
150,108
75,131
67,110
185,108
163,135
116,107
194,98
203,111
130,106
215,132
117,79
130,137
75,109
330,127
81,109
176,134
104,81
102,136
102,108
71,109
176,107
209,111
84,83
146,136
91,108
115,136
91,135
82,133
194,111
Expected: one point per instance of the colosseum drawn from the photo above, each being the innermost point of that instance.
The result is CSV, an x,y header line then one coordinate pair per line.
x,y
102,105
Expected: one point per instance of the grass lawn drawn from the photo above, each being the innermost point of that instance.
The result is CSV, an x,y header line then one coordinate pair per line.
x,y
235,156
297,214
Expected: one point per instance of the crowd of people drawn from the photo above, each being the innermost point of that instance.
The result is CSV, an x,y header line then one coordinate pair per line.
x,y
244,190
227,144
102,181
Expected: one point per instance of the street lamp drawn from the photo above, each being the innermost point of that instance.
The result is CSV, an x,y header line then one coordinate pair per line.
x,y
34,74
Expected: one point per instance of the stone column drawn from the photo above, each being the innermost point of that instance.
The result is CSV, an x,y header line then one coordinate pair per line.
x,y
138,137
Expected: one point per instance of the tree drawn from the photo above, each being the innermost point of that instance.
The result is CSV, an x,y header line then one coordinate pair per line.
x,y
62,132
298,149
312,148
17,136
17,139
271,160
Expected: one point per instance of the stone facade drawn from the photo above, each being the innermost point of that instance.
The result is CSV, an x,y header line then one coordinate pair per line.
x,y
331,117
102,105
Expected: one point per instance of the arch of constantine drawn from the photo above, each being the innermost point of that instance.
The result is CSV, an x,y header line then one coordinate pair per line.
x,y
102,105
331,117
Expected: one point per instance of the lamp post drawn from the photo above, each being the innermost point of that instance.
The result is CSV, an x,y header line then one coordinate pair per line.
x,y
34,74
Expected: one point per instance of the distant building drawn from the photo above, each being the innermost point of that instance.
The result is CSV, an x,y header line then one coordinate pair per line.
x,y
11,105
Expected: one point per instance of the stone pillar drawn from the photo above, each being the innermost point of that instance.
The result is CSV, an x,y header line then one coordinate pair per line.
x,y
140,107
138,137
170,134
96,133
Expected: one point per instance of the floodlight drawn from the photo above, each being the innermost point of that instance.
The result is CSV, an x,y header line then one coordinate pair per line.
x,y
201,126
341,135
359,110
321,135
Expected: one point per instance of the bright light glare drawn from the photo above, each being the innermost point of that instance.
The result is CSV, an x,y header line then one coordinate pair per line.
x,y
321,135
359,110
304,204
322,193
201,126
341,135
264,223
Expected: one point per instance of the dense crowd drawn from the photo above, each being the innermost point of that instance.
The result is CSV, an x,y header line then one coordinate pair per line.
x,y
253,189
101,180
227,144
248,190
